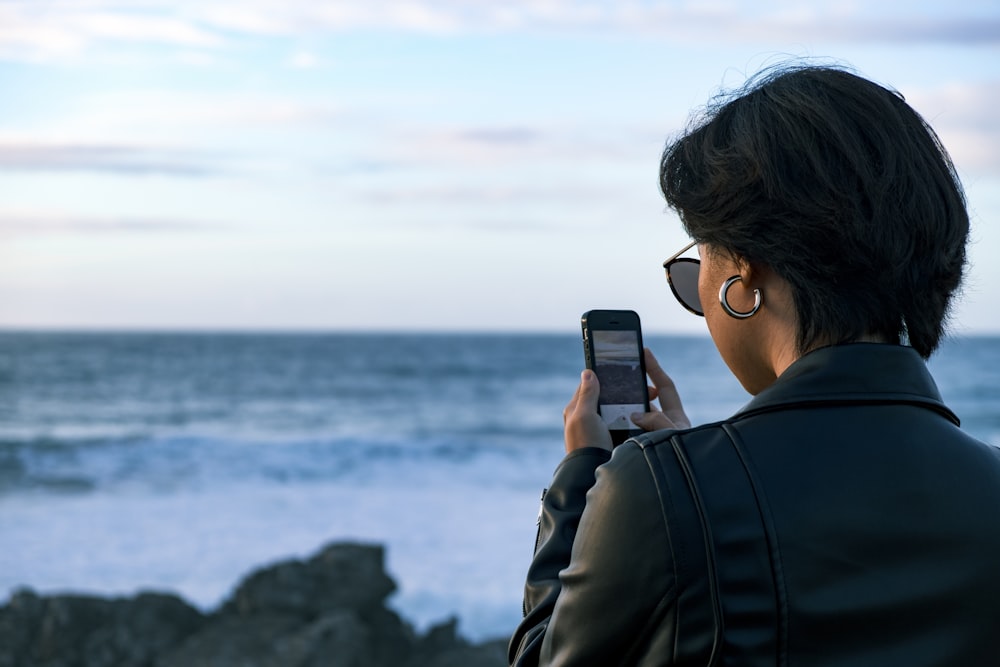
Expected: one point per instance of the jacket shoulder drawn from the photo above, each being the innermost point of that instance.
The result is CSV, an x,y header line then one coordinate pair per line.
x,y
664,437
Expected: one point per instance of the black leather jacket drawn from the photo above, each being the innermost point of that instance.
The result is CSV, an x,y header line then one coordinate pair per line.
x,y
840,518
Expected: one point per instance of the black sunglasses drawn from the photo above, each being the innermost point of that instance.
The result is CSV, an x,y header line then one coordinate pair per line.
x,y
682,275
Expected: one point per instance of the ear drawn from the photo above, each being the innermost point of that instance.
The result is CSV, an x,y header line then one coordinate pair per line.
x,y
748,271
754,274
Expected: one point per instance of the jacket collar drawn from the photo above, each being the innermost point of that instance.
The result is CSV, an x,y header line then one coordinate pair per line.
x,y
855,373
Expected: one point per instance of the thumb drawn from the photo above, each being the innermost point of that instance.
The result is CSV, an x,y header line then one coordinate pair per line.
x,y
652,421
590,390
583,426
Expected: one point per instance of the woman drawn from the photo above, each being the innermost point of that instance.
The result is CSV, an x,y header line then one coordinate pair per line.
x,y
841,517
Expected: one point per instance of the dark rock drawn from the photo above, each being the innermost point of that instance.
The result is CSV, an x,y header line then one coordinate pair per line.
x,y
341,576
71,630
442,647
231,640
327,610
488,654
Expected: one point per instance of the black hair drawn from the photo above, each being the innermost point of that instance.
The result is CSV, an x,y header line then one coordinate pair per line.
x,y
841,188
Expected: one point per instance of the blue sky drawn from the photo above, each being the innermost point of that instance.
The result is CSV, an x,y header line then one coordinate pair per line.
x,y
448,164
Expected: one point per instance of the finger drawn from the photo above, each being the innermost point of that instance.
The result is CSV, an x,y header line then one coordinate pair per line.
x,y
656,372
586,396
589,391
666,391
652,421
583,425
571,406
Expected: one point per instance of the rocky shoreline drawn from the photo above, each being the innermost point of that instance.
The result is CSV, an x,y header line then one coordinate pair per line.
x,y
326,610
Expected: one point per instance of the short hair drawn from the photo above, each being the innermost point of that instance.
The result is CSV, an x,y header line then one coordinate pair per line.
x,y
841,188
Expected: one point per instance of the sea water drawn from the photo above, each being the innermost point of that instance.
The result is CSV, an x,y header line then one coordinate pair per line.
x,y
180,462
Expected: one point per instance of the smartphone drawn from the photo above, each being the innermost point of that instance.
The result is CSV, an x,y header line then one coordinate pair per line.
x,y
612,348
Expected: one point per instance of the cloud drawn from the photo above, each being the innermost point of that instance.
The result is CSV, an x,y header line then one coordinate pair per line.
x,y
960,31
898,21
19,224
45,29
497,146
303,60
491,195
125,116
965,117
501,135
119,159
41,29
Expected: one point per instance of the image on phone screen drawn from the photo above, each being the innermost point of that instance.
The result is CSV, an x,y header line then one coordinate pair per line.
x,y
619,370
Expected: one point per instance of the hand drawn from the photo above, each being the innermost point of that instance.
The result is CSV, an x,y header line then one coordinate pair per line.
x,y
583,426
671,414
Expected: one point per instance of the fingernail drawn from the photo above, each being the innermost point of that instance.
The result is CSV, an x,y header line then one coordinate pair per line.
x,y
586,376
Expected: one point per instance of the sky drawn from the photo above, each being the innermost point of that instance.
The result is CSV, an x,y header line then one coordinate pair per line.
x,y
413,165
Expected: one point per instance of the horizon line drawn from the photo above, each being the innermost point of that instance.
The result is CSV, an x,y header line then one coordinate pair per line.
x,y
363,331
306,330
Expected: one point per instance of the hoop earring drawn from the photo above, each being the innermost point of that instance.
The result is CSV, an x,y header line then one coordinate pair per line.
x,y
758,299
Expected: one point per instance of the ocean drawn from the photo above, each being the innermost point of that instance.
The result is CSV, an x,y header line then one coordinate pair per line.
x,y
179,462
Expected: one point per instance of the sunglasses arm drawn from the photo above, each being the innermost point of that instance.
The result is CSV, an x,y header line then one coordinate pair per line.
x,y
680,252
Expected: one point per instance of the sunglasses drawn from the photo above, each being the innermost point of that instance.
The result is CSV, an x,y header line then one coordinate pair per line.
x,y
682,275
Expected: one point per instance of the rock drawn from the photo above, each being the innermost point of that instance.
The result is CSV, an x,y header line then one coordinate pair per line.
x,y
71,630
442,647
489,654
327,610
341,576
232,640
274,639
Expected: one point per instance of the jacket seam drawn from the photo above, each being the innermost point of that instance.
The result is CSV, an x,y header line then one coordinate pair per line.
x,y
777,568
713,580
664,601
676,551
842,401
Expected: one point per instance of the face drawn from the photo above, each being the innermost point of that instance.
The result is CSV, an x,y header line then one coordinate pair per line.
x,y
742,344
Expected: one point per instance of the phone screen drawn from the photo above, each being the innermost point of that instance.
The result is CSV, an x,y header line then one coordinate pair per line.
x,y
618,364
